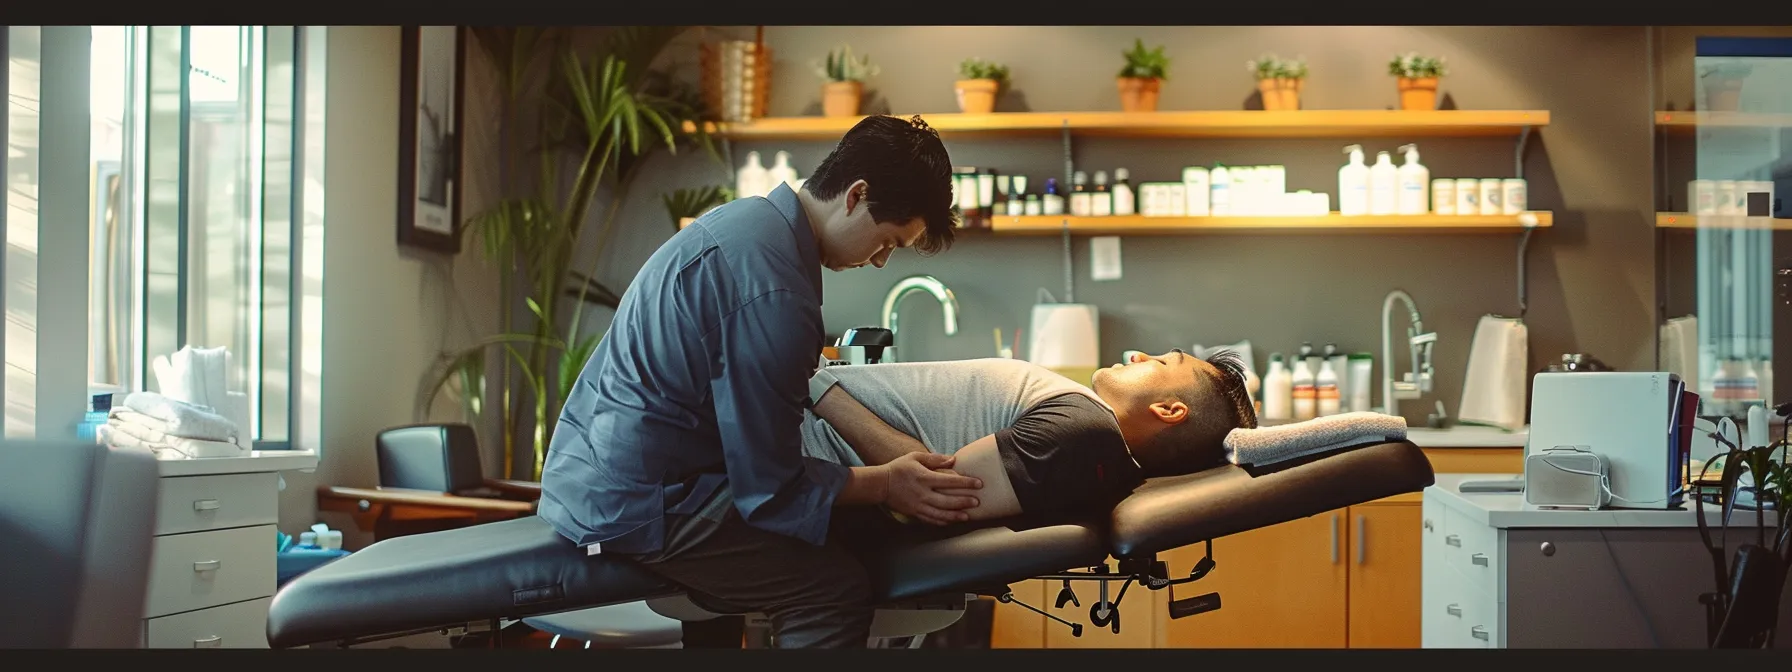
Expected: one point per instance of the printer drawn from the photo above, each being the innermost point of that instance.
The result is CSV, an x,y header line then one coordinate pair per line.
x,y
1611,438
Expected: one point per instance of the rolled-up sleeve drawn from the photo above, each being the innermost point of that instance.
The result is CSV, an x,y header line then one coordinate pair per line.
x,y
766,352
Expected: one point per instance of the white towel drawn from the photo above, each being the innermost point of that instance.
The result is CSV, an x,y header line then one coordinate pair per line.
x,y
173,448
182,419
1268,445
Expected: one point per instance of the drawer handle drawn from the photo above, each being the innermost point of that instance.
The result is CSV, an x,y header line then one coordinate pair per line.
x,y
1478,559
1478,632
205,505
1453,610
211,642
206,565
1453,540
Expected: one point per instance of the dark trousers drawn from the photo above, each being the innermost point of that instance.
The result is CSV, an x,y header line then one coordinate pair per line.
x,y
815,596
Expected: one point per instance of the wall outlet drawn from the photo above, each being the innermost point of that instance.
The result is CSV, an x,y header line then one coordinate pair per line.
x,y
1104,254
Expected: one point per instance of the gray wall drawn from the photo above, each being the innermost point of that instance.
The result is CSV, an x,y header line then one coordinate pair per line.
x,y
1591,279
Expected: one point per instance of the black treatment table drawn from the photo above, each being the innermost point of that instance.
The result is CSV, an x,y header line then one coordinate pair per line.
x,y
523,568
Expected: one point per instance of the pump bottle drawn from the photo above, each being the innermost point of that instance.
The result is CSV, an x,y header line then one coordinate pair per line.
x,y
1415,183
1353,184
1384,185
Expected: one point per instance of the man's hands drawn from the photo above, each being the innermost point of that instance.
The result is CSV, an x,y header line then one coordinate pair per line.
x,y
913,484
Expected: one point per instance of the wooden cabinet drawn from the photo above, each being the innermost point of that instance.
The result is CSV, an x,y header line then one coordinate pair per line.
x,y
1385,565
1344,578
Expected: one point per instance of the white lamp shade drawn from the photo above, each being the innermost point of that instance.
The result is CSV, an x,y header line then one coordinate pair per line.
x,y
1065,335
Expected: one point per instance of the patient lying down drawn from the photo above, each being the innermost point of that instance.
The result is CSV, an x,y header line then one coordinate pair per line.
x,y
1043,445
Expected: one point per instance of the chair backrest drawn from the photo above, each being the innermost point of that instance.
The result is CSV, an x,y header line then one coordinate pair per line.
x,y
78,520
438,457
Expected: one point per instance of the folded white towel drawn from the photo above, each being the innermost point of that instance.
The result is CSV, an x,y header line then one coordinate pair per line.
x,y
1268,445
183,419
171,448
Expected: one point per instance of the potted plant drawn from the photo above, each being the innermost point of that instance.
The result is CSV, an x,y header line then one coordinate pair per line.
x,y
1417,78
1742,610
1141,78
1279,81
843,79
1723,86
978,83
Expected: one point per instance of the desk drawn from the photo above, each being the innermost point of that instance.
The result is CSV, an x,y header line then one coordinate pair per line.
x,y
1498,574
212,567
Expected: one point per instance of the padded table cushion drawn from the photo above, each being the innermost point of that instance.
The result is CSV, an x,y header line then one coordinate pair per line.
x,y
519,568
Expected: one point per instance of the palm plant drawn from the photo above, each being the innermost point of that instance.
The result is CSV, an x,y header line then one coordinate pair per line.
x,y
607,111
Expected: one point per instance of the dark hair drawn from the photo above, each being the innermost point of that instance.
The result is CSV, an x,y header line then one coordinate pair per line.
x,y
1217,404
907,168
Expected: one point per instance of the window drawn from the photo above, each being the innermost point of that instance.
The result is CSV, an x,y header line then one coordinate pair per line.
x,y
192,219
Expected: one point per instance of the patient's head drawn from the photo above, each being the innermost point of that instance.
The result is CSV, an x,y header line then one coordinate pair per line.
x,y
1176,409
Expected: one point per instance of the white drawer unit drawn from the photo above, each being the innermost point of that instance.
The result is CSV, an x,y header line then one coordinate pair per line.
x,y
212,563
243,625
1497,573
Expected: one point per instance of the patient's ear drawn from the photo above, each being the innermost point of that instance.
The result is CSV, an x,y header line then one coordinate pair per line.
x,y
1170,412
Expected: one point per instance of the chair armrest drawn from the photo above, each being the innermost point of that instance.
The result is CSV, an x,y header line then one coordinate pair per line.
x,y
424,498
518,490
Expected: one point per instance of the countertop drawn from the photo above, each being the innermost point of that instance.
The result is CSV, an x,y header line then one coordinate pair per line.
x,y
1467,436
1508,510
255,462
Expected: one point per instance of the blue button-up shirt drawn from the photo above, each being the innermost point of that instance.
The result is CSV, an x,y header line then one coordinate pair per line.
x,y
701,380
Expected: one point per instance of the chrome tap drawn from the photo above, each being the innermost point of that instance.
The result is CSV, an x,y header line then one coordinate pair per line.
x,y
1417,381
920,283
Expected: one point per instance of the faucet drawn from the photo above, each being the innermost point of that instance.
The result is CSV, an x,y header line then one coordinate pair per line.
x,y
920,283
1417,381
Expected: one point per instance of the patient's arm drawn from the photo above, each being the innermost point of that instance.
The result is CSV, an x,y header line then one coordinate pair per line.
x,y
876,442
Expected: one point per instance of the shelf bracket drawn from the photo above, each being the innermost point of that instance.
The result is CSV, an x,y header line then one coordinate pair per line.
x,y
1524,137
1524,239
1069,267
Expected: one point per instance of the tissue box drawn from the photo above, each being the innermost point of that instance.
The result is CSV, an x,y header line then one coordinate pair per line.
x,y
292,562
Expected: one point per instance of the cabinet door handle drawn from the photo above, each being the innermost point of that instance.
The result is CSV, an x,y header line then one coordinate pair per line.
x,y
1478,559
1361,533
205,505
1453,540
1453,610
1478,632
206,565
211,642
1429,526
1334,538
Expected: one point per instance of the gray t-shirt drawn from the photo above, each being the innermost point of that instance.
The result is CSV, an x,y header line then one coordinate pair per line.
x,y
945,405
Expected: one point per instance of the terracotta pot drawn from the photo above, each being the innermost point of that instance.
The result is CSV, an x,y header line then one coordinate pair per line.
x,y
977,96
841,99
1139,94
1723,95
1280,95
1418,93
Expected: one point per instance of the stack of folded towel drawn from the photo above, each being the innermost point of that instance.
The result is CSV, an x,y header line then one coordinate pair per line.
x,y
173,429
1259,446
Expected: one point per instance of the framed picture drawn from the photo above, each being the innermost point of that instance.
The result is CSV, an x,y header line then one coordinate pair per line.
x,y
431,106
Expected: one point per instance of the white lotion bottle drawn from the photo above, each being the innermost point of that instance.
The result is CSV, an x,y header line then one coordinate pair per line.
x,y
1325,390
1384,185
781,172
1353,184
1305,392
1125,201
1415,183
1278,390
752,178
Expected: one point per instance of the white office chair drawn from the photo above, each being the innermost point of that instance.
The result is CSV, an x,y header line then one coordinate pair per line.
x,y
77,519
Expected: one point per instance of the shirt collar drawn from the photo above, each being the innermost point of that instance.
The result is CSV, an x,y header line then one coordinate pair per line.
x,y
808,251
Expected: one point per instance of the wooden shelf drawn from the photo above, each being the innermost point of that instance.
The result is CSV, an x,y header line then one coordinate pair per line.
x,y
1192,124
1138,225
1687,122
1681,220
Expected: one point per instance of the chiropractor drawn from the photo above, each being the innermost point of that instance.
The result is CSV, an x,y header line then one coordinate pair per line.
x,y
680,443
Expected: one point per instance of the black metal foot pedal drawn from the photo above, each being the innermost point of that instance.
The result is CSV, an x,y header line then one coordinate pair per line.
x,y
1076,629
1067,596
1190,606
